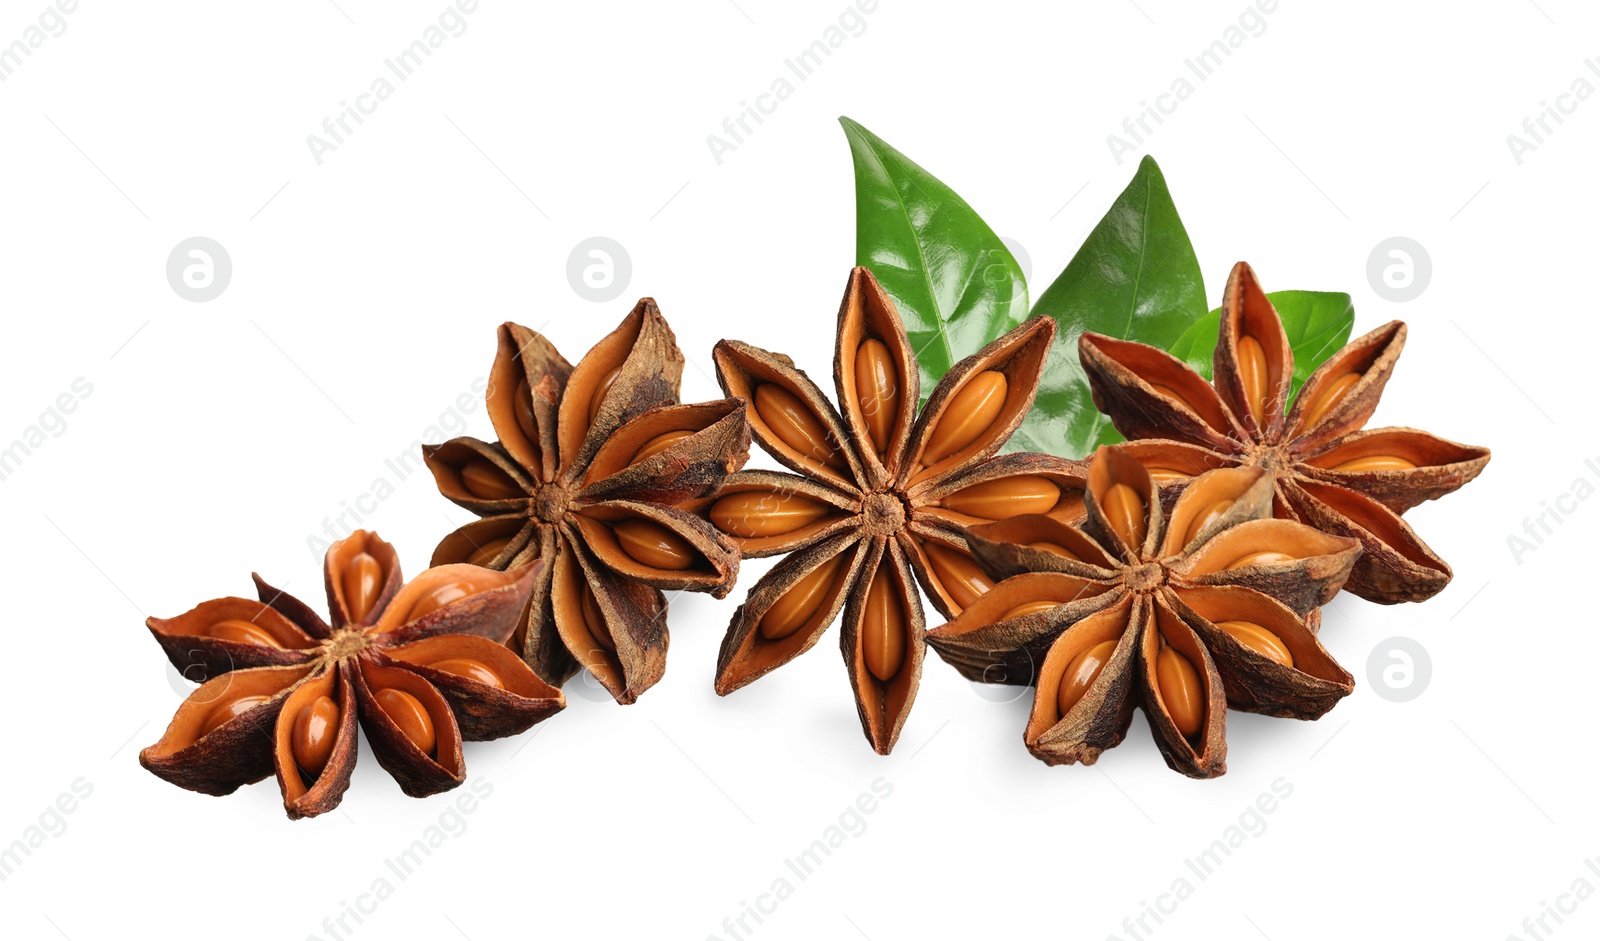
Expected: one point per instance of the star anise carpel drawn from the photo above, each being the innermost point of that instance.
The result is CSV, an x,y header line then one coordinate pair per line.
x,y
1182,614
422,666
589,474
1328,470
879,496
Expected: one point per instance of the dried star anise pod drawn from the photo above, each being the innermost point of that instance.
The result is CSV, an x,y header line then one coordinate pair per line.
x,y
422,665
589,473
882,494
1327,471
1182,614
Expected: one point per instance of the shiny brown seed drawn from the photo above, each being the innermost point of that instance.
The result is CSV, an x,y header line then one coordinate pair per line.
x,y
316,728
487,482
659,443
242,632
524,410
1375,462
1259,639
883,628
1163,475
795,425
1126,513
1203,519
959,575
595,620
877,391
1172,394
487,552
1056,548
1004,498
363,582
967,415
758,513
651,544
474,670
1253,375
1331,395
409,714
227,711
1179,686
1081,673
797,605
1029,607
1260,558
445,593
609,380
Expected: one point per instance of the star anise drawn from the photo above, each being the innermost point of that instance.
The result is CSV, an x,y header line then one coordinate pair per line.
x,y
1328,472
1183,615
422,665
588,474
882,495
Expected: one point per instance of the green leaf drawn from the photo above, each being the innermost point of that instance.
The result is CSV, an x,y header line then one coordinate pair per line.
x,y
955,283
1318,324
1135,277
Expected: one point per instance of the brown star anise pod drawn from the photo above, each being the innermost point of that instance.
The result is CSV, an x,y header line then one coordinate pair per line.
x,y
588,474
1327,471
1182,614
423,666
883,493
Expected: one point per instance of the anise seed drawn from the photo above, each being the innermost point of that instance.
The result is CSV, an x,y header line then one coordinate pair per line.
x,y
1375,462
795,425
470,669
877,391
242,632
316,728
797,605
1081,673
1259,639
963,581
1253,376
658,444
755,514
487,482
363,582
410,715
883,628
649,543
1330,396
967,416
228,711
1181,693
1127,514
1005,497
600,391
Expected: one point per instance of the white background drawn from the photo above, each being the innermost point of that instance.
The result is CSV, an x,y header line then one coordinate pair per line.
x,y
365,292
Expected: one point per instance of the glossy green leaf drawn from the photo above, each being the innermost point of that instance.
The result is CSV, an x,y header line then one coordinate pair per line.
x,y
1318,325
955,283
1135,277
